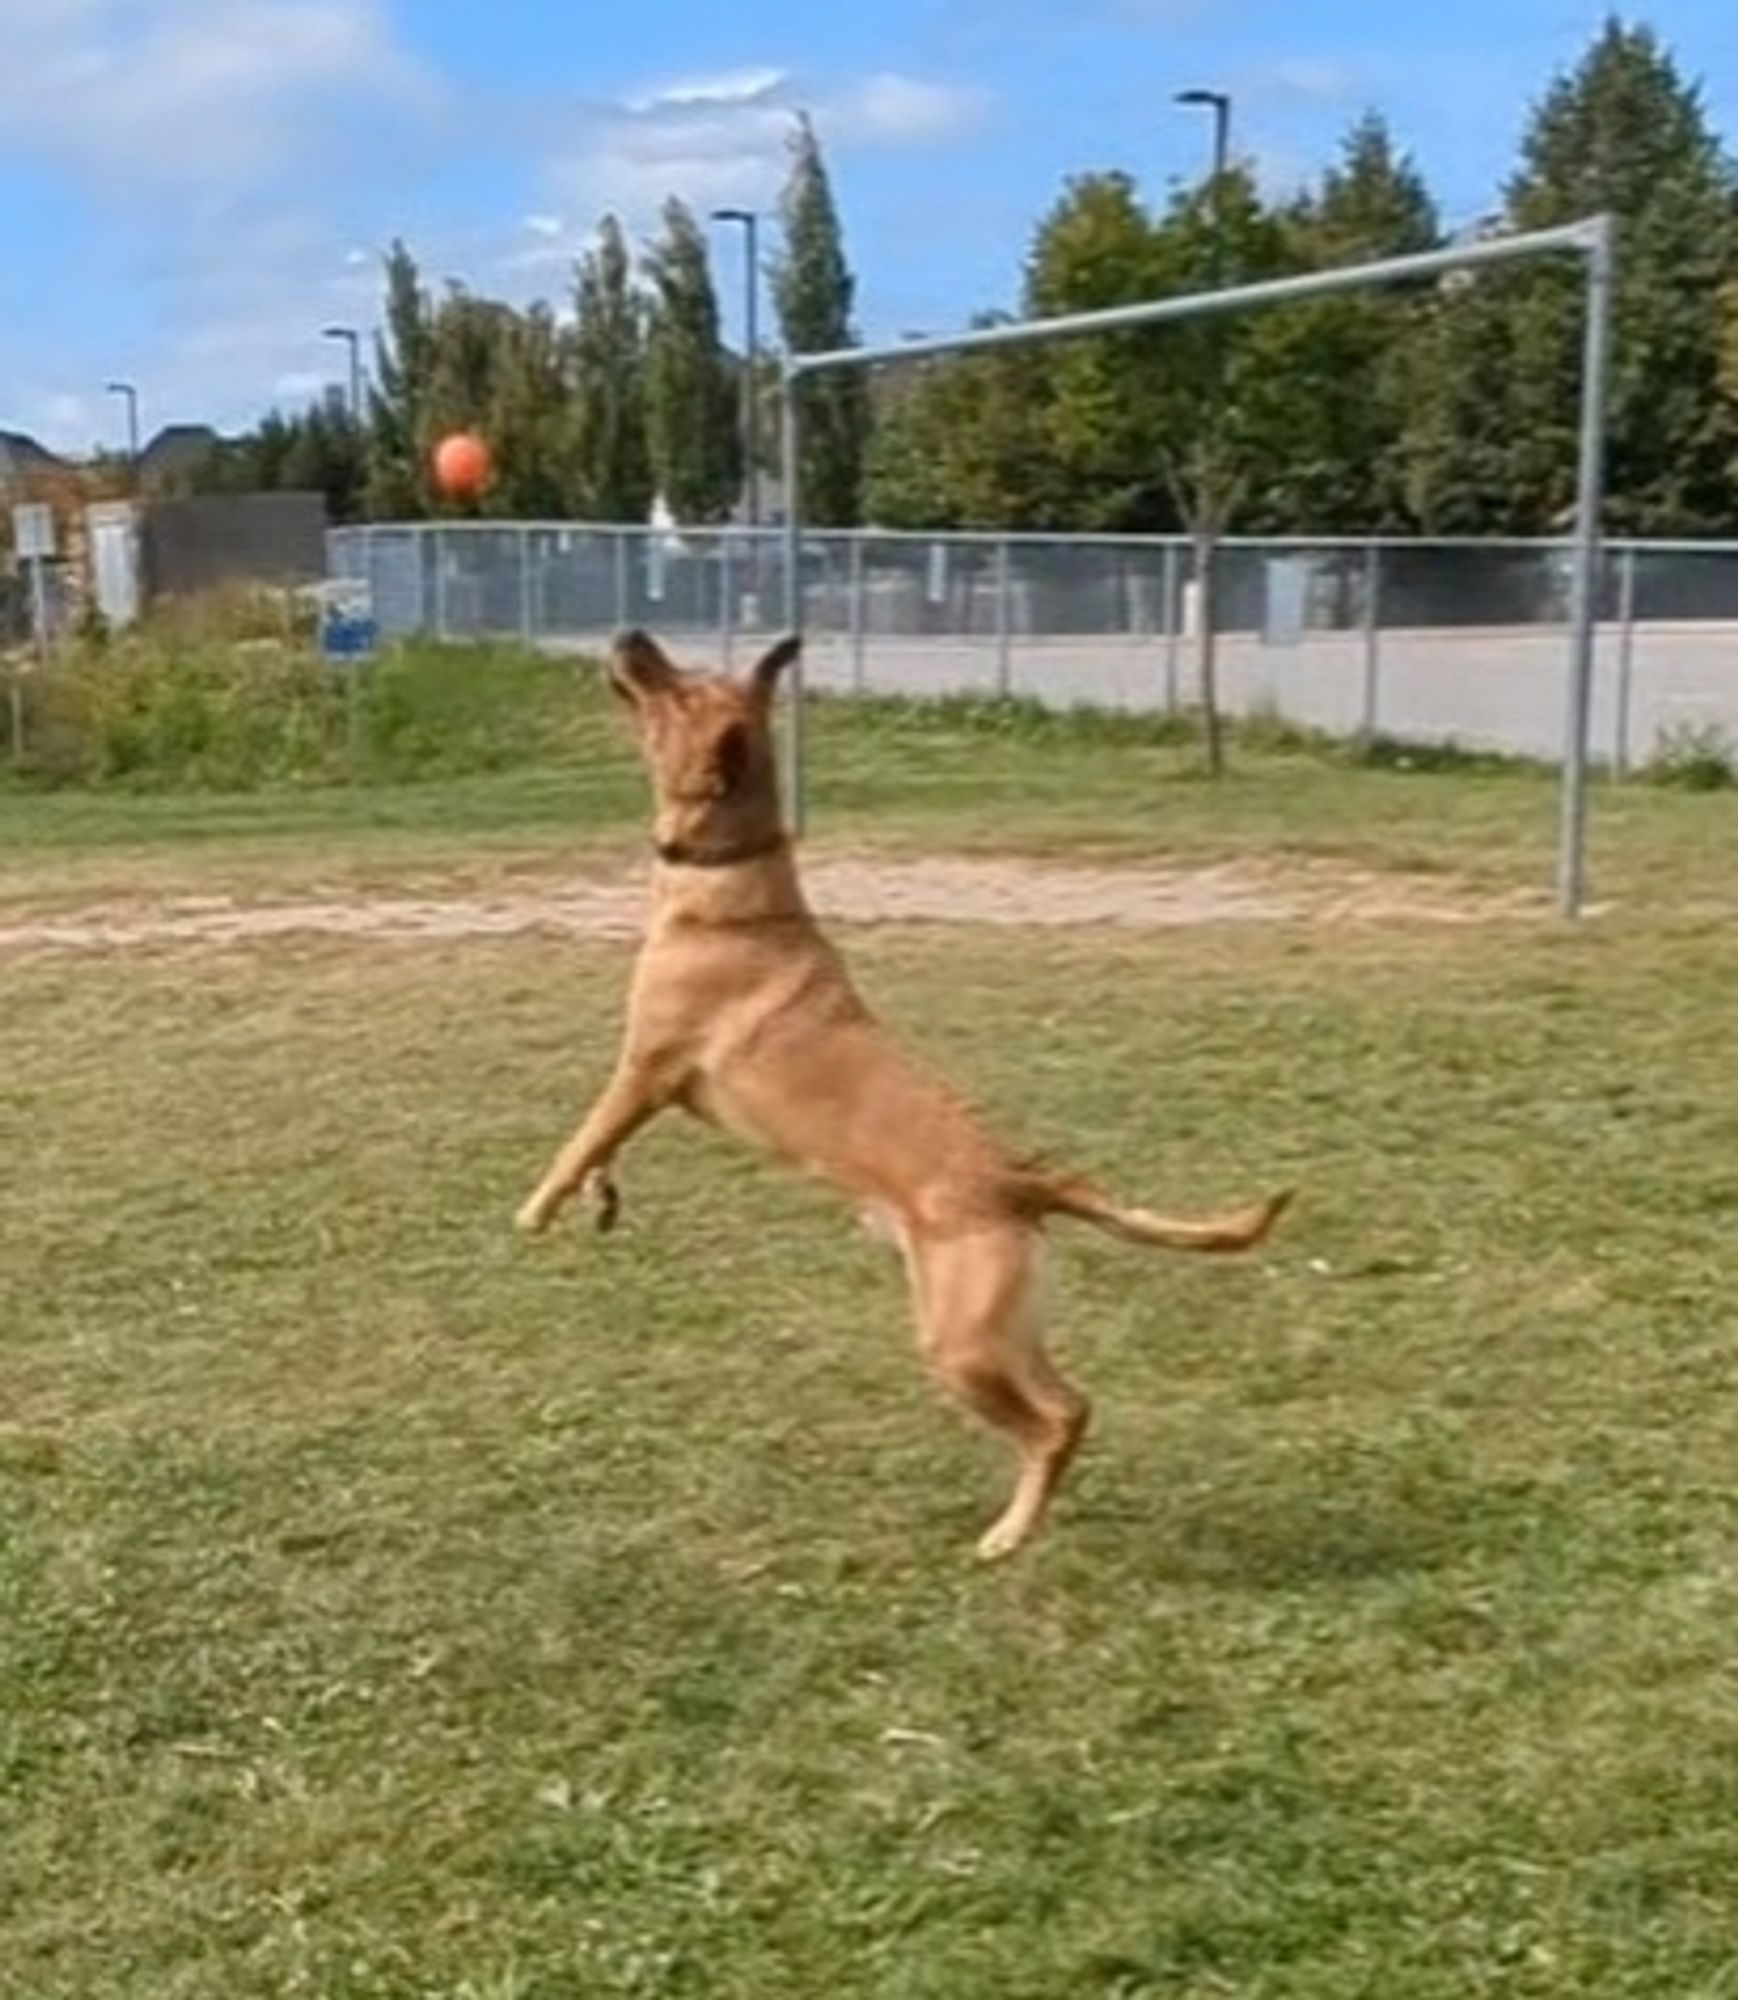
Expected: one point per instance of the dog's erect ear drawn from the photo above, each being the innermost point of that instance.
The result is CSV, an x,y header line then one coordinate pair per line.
x,y
785,654
639,666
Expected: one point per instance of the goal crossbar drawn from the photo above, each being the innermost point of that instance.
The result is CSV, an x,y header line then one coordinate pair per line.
x,y
1590,239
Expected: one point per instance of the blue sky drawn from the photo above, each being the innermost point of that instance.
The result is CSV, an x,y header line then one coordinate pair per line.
x,y
190,189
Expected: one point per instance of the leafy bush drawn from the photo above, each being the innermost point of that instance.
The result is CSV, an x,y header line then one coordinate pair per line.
x,y
1693,757
146,714
172,708
229,694
1264,728
1399,753
440,711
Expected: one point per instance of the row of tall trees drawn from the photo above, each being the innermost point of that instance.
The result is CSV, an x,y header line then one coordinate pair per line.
x,y
1447,409
1285,418
632,394
1443,409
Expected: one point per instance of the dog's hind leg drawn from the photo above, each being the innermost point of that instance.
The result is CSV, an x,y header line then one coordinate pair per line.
x,y
980,1328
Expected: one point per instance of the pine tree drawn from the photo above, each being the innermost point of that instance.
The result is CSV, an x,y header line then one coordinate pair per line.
x,y
1148,423
1727,370
503,373
814,292
317,450
467,344
1463,471
528,420
1330,382
1373,202
1153,428
1105,424
322,453
1495,436
691,396
613,457
397,427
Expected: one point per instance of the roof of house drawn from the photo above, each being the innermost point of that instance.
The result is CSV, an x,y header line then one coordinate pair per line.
x,y
177,448
21,458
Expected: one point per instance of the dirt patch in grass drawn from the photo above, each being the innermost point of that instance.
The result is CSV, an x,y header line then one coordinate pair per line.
x,y
844,889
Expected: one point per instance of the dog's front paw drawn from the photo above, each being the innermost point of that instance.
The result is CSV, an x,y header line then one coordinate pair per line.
x,y
535,1217
999,1543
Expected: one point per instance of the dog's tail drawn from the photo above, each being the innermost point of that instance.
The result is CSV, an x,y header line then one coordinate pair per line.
x,y
1038,1194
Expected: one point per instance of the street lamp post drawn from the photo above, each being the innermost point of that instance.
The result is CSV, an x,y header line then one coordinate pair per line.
x,y
129,394
1210,498
353,340
750,225
1219,103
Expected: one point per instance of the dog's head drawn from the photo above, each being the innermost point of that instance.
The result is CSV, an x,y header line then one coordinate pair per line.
x,y
707,742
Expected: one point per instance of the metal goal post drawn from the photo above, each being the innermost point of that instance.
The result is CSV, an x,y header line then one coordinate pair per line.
x,y
1590,239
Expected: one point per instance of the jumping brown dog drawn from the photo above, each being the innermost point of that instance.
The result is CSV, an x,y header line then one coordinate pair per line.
x,y
742,1013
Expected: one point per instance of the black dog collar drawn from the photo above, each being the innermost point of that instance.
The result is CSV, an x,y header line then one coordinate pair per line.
x,y
679,854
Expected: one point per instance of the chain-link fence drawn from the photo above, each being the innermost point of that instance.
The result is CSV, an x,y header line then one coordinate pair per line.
x,y
1462,641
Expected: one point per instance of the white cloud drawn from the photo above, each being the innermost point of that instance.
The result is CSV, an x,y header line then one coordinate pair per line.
x,y
301,385
218,146
241,163
737,86
248,330
899,109
1321,81
1282,172
71,416
721,141
208,99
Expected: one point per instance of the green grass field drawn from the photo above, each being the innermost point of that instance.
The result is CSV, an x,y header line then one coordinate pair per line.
x,y
393,1611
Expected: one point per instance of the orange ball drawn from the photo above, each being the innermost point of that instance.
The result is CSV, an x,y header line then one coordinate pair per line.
x,y
463,465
